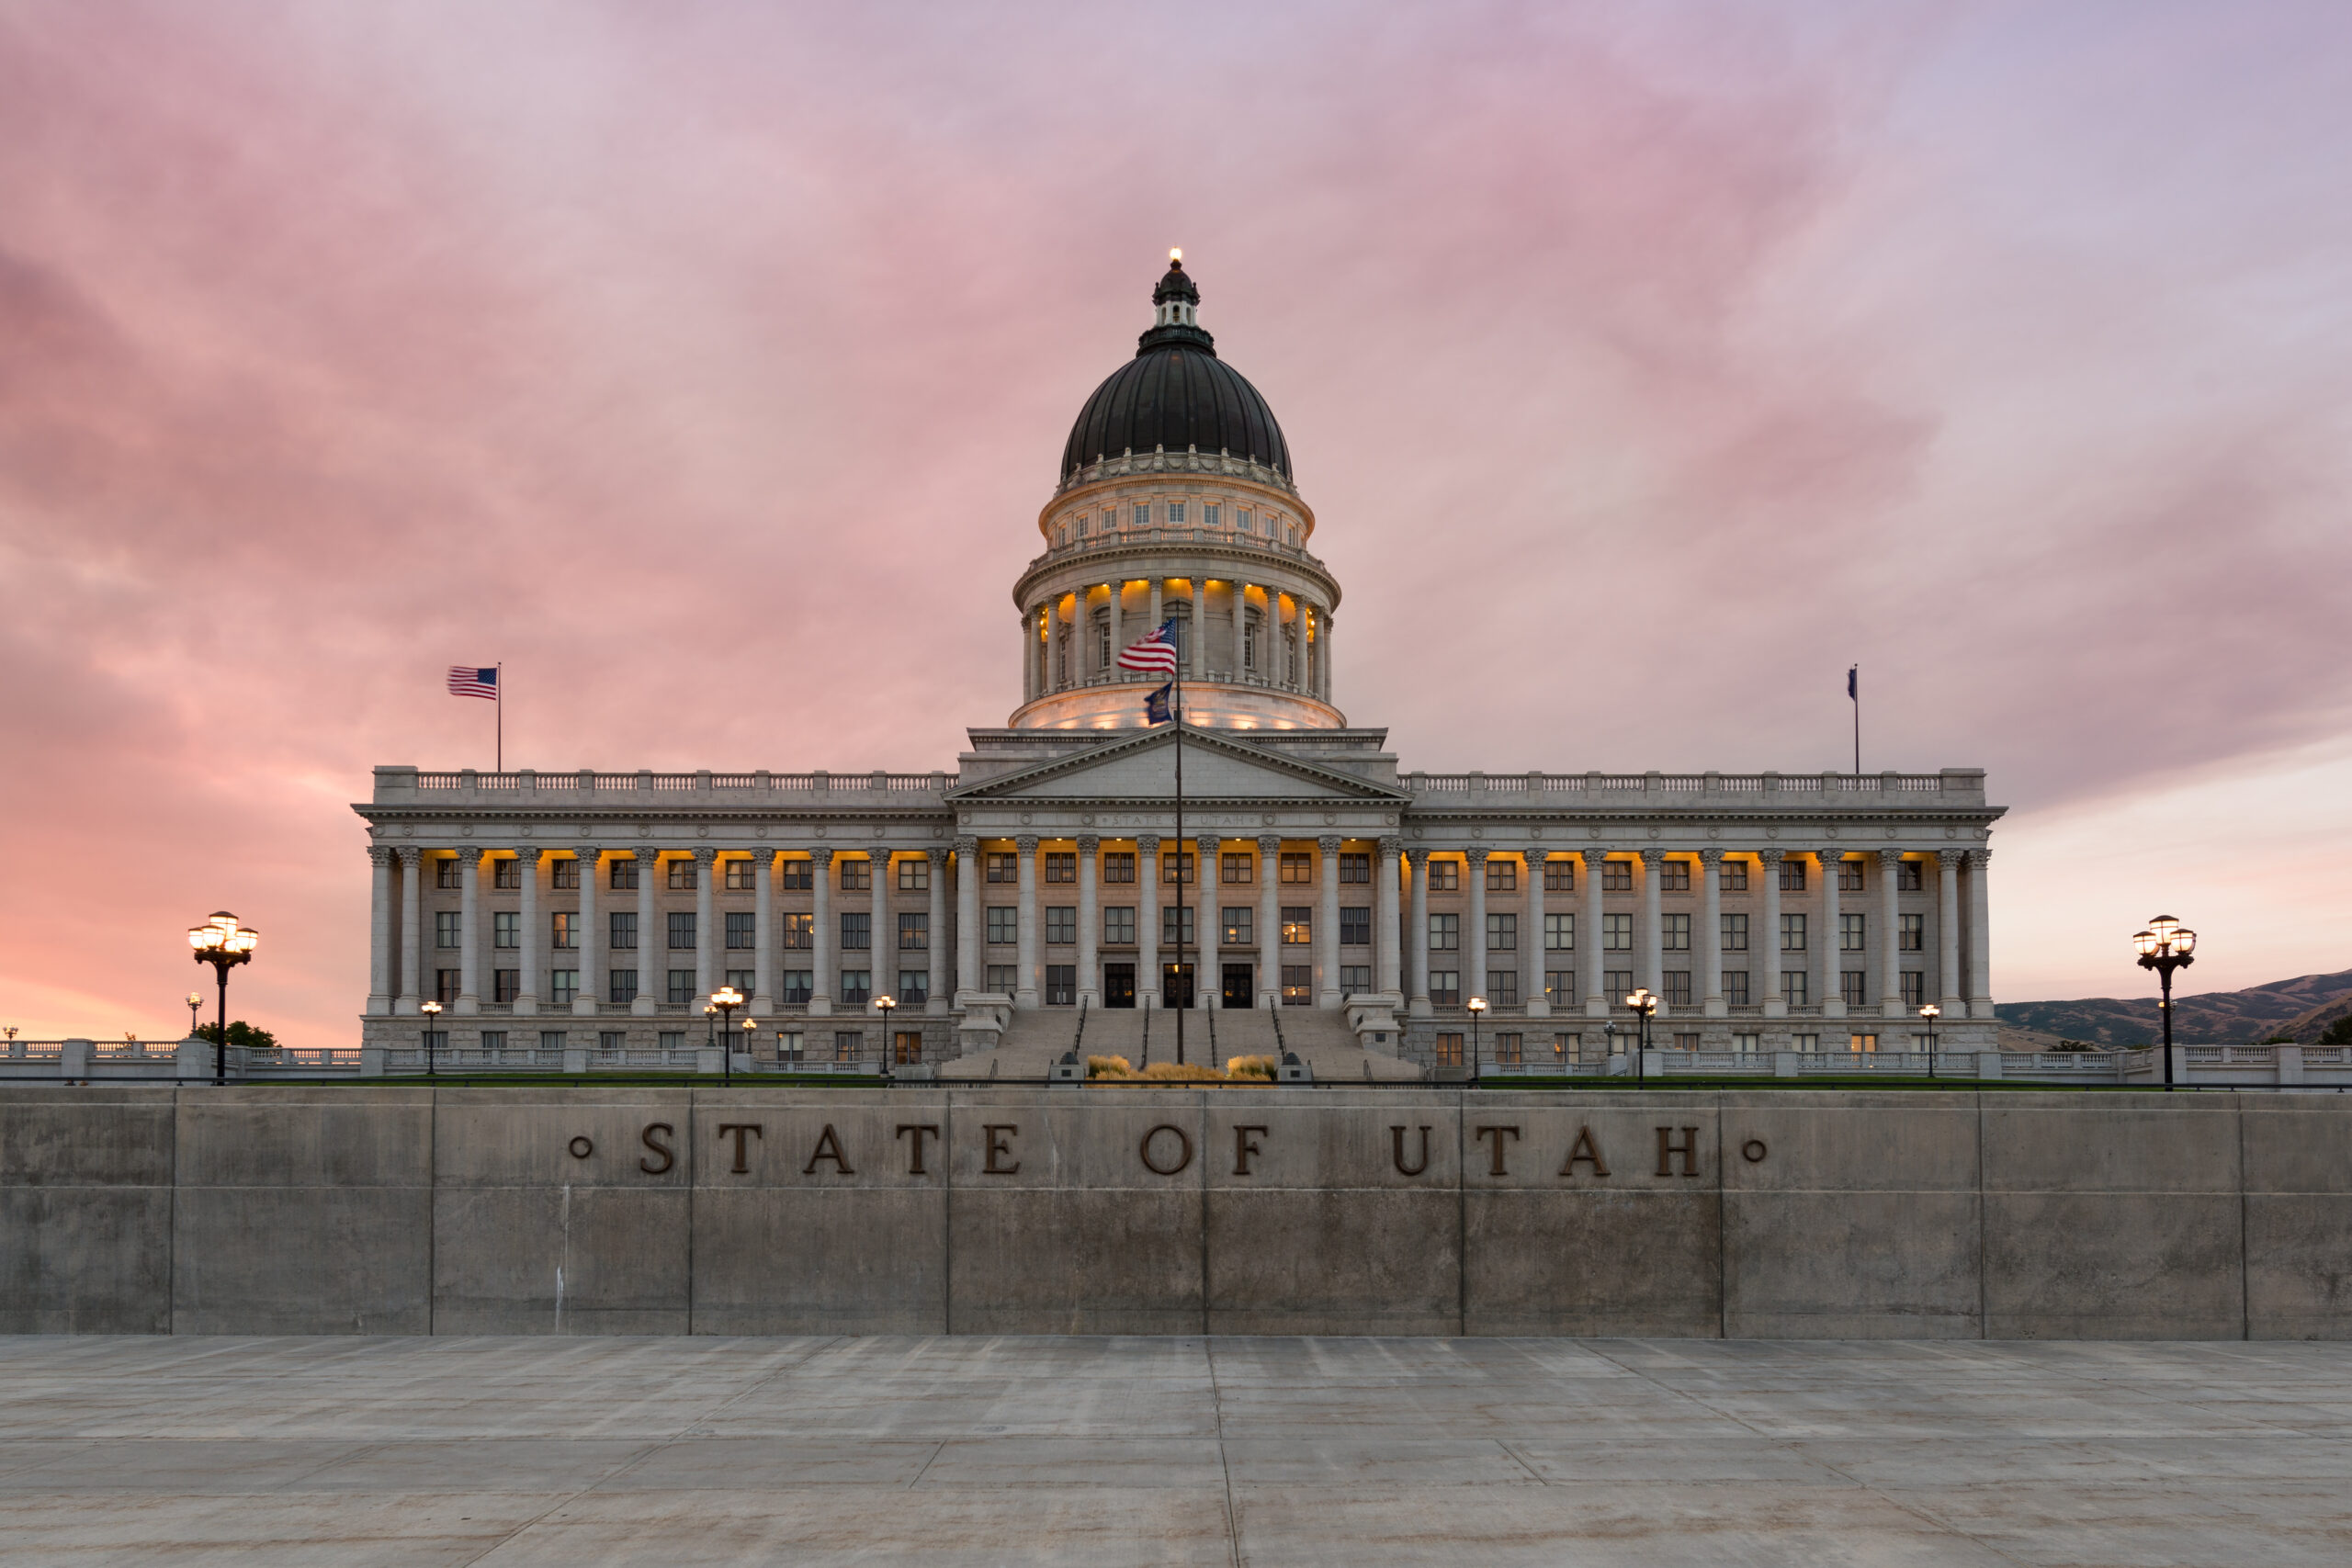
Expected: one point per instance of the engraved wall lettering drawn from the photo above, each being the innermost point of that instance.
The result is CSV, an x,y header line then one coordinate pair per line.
x,y
1396,1143
1244,1145
829,1146
1585,1150
669,1157
997,1148
582,1148
1493,1135
739,1129
1183,1148
1688,1150
920,1130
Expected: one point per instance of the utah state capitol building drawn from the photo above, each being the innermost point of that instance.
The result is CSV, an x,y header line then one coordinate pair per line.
x,y
1769,911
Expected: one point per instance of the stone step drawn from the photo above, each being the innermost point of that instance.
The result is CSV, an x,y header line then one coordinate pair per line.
x,y
1038,1037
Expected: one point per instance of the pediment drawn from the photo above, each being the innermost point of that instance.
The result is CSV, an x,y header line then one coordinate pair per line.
x,y
1217,768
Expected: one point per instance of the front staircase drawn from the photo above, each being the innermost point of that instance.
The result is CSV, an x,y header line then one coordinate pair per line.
x,y
1037,1037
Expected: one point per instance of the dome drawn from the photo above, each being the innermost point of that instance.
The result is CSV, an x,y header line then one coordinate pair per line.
x,y
1174,394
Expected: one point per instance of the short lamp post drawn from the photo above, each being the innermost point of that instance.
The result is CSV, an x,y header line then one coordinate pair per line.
x,y
1644,1008
2164,946
195,1000
751,1033
223,943
1931,1012
432,1011
883,1004
723,1002
1477,1005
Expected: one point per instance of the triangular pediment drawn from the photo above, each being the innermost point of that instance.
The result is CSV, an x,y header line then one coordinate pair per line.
x,y
1143,769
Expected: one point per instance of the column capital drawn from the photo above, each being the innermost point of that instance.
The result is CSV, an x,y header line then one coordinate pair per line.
x,y
1415,856
937,856
529,854
1270,845
821,856
1147,845
1090,846
1890,857
1711,857
410,855
1829,856
704,856
380,854
470,855
1978,859
1329,845
647,853
968,845
1477,854
1206,845
1949,858
1392,845
1651,855
587,855
1771,856
1592,858
881,855
1027,845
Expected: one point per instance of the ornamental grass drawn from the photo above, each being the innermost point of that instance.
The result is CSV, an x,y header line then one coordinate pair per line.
x,y
1240,1069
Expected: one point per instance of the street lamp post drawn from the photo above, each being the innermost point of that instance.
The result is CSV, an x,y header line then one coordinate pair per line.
x,y
1477,1005
1931,1012
223,943
432,1011
724,1002
2164,946
195,1000
1645,1007
883,1004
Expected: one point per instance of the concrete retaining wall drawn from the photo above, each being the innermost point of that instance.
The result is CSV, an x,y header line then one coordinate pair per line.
x,y
1797,1214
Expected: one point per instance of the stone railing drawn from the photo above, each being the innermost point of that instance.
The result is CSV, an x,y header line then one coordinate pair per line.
x,y
1953,785
2196,1066
646,787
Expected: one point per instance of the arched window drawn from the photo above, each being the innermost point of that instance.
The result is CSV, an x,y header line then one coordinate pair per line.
x,y
1249,629
1102,649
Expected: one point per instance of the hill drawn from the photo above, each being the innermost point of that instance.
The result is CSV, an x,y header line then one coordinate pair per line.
x,y
2302,1006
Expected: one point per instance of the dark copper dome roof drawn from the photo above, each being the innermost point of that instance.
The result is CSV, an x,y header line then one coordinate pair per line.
x,y
1174,394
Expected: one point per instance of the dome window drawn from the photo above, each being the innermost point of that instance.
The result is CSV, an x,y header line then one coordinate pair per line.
x,y
1211,512
1176,513
1244,522
1143,515
1077,525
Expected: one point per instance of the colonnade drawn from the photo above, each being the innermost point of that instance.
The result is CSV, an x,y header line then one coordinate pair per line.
x,y
1043,629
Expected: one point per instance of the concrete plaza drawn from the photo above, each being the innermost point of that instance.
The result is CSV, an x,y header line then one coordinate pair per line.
x,y
1102,1451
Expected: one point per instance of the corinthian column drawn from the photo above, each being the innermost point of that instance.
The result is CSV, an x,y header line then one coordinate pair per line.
x,y
469,931
1418,930
824,941
527,987
1980,936
380,930
706,940
1948,990
1269,921
968,975
588,938
411,931
1024,993
1890,934
1326,924
1090,991
763,988
1597,1000
937,980
1833,998
1653,923
1768,941
649,873
1386,918
1711,935
882,951
1474,943
1054,643
1148,974
1208,974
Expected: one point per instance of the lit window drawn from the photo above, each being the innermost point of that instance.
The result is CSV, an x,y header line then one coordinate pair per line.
x,y
1734,876
1445,875
1674,876
1239,924
1617,876
1502,876
1298,925
914,874
1559,876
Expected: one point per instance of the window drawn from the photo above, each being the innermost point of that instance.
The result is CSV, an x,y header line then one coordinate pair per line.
x,y
1061,984
448,928
506,986
1678,988
1850,988
1502,933
1912,936
1735,988
1502,876
1909,875
1176,926
742,980
791,1045
742,876
1298,925
857,876
624,931
564,875
799,875
682,986
1862,1045
1077,525
1853,933
914,874
1616,932
1446,933
1355,927
857,931
1559,876
1795,987
444,873
1001,979
1616,876
1142,514
740,932
1004,867
1849,875
1241,520
1502,988
622,879
1746,1045
1735,933
1120,867
1240,925
1686,1042
1298,985
1559,933
563,933
798,985
1250,639
1792,876
620,987
1103,640
907,1046
1445,1051
1674,876
1355,868
1915,989
857,986
1297,869
1445,876
1791,933
849,1045
914,933
1176,867
563,985
1209,514
506,929
1004,925
1507,1049
1445,987
1119,925
550,1040
1237,868
799,932
444,985
1674,933
1617,985
682,930
1731,876
1176,513
1807,1045
506,873
680,873
1355,980
1061,924
915,986
1061,865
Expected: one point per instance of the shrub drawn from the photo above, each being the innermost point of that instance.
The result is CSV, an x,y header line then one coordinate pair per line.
x,y
240,1034
1186,1072
2339,1033
1109,1067
1251,1067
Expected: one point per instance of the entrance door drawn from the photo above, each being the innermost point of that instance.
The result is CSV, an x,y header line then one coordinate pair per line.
x,y
1176,985
1238,988
1118,984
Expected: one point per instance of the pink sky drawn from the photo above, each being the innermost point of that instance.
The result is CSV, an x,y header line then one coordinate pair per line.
x,y
707,364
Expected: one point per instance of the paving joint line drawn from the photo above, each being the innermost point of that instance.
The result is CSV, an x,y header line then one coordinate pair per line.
x,y
1224,1463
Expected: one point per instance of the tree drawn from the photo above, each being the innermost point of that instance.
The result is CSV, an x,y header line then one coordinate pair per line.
x,y
240,1034
2339,1033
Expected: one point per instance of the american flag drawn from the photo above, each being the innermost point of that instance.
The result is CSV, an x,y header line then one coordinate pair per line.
x,y
1155,653
468,680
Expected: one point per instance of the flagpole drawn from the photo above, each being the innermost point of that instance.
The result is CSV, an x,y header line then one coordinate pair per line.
x,y
1176,691
501,707
1854,690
